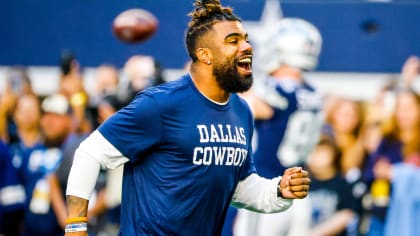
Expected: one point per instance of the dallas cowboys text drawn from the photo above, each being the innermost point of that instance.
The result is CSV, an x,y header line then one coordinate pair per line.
x,y
222,152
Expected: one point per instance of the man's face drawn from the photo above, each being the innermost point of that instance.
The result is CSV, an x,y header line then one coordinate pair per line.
x,y
232,56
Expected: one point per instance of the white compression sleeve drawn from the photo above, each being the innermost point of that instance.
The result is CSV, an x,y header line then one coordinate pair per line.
x,y
95,151
259,194
98,147
83,176
114,187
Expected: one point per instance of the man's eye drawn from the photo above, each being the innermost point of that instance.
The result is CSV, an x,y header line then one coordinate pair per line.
x,y
233,41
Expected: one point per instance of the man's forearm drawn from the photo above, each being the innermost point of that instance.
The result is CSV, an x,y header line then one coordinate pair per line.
x,y
76,206
76,223
259,194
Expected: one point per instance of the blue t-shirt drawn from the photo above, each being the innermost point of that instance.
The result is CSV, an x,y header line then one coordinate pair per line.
x,y
187,155
288,137
328,197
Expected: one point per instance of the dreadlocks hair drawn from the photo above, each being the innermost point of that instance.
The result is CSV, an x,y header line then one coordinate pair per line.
x,y
205,14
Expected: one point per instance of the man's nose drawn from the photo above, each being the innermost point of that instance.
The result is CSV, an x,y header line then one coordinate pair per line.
x,y
246,46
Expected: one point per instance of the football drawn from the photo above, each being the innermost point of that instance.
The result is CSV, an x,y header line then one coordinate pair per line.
x,y
134,25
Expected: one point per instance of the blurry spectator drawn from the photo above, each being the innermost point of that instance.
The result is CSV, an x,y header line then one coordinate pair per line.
x,y
27,117
375,116
384,104
403,209
410,70
56,120
370,136
331,200
38,161
140,72
71,86
343,124
18,81
12,195
401,134
106,82
404,212
71,78
17,84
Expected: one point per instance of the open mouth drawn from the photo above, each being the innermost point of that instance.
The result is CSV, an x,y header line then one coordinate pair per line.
x,y
245,64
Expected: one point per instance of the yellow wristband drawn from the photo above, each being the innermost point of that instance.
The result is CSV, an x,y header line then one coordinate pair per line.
x,y
76,220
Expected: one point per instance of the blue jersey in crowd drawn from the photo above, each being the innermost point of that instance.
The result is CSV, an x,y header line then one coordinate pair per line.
x,y
289,136
186,154
35,164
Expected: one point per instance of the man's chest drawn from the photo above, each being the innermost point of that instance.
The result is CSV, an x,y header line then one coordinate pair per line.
x,y
213,138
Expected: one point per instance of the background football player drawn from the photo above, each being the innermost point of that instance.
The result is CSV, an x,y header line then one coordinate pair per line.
x,y
287,113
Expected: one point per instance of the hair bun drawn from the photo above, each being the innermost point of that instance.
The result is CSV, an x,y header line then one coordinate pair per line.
x,y
209,3
205,8
212,5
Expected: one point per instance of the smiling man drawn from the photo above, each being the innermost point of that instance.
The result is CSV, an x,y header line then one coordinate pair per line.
x,y
185,145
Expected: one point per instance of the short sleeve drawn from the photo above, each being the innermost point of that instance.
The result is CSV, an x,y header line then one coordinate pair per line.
x,y
136,128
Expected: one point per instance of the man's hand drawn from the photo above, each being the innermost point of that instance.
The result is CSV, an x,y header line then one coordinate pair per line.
x,y
295,183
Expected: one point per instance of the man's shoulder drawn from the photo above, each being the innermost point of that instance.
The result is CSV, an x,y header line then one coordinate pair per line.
x,y
241,105
241,102
162,98
169,90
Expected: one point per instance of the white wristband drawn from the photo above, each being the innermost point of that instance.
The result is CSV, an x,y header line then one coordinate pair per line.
x,y
70,228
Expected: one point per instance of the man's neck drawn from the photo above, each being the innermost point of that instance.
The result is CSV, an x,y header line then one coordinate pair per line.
x,y
206,83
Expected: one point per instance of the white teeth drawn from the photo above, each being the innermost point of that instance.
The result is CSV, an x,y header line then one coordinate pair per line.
x,y
245,60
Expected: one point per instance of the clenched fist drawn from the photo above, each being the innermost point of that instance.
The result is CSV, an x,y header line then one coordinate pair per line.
x,y
295,183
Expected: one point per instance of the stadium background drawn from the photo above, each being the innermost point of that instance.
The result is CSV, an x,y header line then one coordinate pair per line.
x,y
365,42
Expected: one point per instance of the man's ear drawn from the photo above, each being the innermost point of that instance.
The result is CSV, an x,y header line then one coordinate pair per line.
x,y
204,55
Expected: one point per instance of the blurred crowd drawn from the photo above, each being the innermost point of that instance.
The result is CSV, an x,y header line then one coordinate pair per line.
x,y
39,135
364,166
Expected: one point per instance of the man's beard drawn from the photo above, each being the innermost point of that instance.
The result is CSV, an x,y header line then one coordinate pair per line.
x,y
229,79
